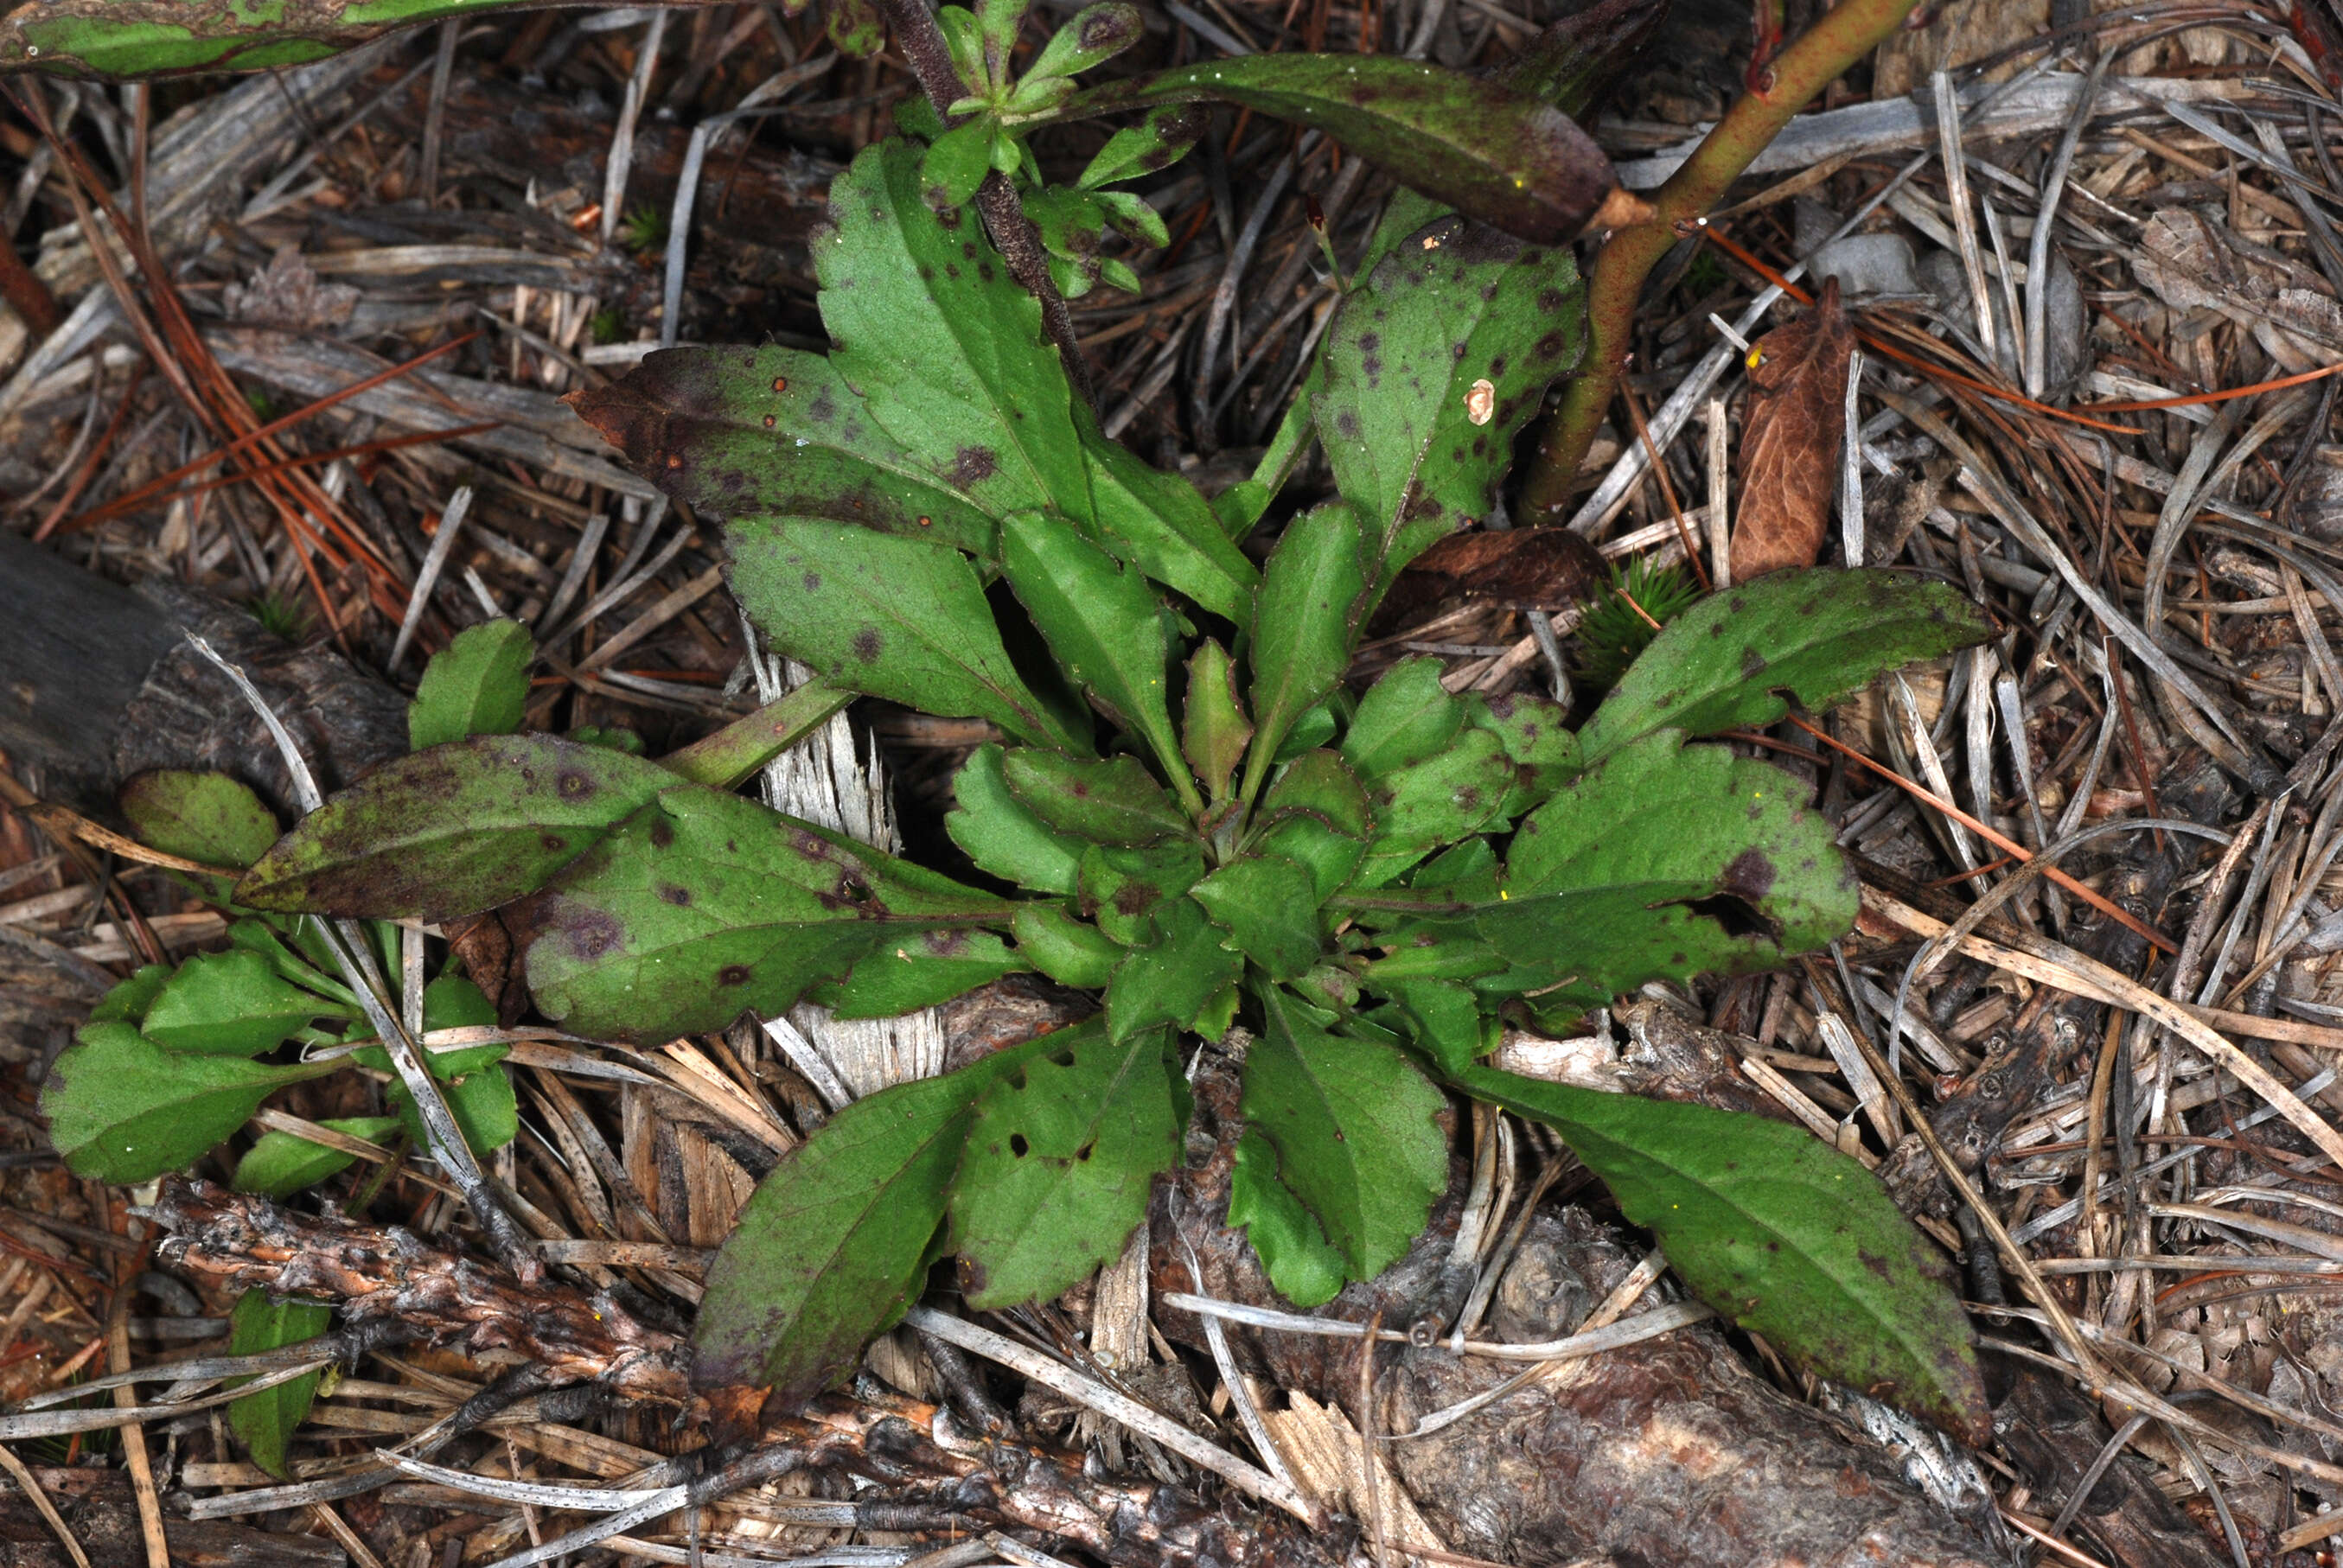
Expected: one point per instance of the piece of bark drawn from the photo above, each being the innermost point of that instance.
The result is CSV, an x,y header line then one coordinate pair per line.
x,y
97,684
101,1509
1667,1451
1790,440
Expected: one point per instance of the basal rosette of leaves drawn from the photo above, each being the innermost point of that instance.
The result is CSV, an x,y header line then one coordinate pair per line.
x,y
1186,810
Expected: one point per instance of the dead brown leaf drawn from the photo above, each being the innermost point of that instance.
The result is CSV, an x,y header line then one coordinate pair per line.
x,y
1521,568
1790,439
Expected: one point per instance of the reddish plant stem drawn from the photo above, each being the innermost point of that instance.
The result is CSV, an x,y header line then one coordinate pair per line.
x,y
1839,39
1013,235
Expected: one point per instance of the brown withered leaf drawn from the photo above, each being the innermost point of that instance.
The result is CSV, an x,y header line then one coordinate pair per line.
x,y
1521,568
1790,440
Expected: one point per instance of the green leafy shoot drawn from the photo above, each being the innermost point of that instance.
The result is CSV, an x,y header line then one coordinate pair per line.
x,y
1173,797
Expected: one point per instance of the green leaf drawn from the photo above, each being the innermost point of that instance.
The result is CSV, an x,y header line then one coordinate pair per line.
x,y
1130,213
1001,835
1305,620
128,1003
477,685
131,39
1448,796
204,817
1072,226
1779,1232
459,828
1173,979
264,1422
1163,525
1055,1173
1096,35
279,1164
1816,635
1351,1122
946,346
1213,729
704,904
922,970
836,1241
1110,802
231,1004
479,1095
1497,154
966,44
1292,1245
1157,141
1405,716
1417,441
1271,905
896,617
1536,734
742,747
1444,1018
856,26
122,1109
1103,625
997,22
1122,889
1666,861
958,162
1316,814
1071,951
750,435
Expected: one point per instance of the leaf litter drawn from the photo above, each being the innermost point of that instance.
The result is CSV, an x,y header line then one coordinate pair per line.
x,y
2101,1126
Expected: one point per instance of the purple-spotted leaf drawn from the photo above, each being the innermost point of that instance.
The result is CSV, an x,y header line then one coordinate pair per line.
x,y
453,830
1490,152
1054,1175
836,1240
900,618
1432,367
741,433
703,904
1778,1232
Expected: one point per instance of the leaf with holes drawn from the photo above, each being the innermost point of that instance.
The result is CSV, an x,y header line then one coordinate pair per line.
x,y
836,1241
1055,1172
704,904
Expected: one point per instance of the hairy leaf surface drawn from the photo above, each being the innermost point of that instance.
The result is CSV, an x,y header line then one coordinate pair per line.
x,y
1114,800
